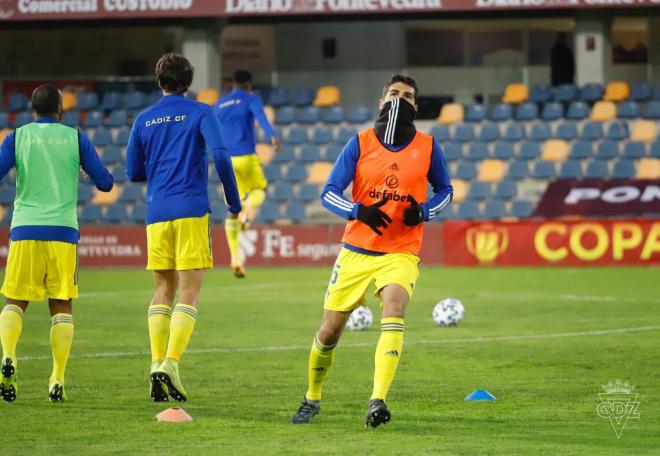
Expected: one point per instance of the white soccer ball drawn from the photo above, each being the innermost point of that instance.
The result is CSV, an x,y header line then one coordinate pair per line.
x,y
448,312
360,319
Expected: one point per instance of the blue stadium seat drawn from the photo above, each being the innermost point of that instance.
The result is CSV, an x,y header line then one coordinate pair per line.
x,y
655,149
295,212
308,115
566,92
477,151
191,95
578,110
475,113
445,214
506,189
566,131
652,110
131,193
297,135
522,209
544,170
503,150
94,119
115,214
22,118
345,134
541,131
282,192
642,91
322,135
7,194
17,102
219,213
514,132
489,132
592,131
285,155
617,131
310,153
634,150
358,115
581,150
466,170
452,151
278,97
138,214
71,118
85,194
117,118
111,155
154,97
591,92
303,96
9,213
501,112
464,133
88,101
331,153
530,150
494,209
570,169
121,139
440,133
296,173
468,210
607,150
552,111
268,213
90,213
623,169
332,115
4,120
541,93
285,115
596,169
628,110
102,137
272,172
526,112
111,101
479,190
518,170
308,193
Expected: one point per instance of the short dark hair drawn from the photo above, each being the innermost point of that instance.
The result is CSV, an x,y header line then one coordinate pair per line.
x,y
46,100
174,73
401,78
242,77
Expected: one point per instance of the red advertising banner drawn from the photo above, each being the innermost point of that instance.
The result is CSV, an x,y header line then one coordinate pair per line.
x,y
29,10
596,197
543,243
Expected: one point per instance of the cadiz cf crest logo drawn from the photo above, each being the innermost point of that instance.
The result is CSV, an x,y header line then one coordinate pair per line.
x,y
618,403
487,242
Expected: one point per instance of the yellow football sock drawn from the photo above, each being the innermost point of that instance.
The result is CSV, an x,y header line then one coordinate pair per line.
x,y
256,198
321,358
232,227
388,352
11,325
61,337
181,328
158,318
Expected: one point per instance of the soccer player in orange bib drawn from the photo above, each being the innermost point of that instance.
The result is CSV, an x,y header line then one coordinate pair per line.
x,y
389,166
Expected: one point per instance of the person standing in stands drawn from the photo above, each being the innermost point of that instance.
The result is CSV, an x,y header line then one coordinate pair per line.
x,y
237,112
562,64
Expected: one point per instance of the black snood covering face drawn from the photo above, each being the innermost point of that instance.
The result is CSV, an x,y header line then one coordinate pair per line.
x,y
394,125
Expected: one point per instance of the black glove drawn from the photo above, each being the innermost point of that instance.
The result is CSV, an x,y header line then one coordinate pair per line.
x,y
413,215
373,216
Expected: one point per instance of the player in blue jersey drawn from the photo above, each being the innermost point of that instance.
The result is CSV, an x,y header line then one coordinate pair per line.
x,y
167,149
237,112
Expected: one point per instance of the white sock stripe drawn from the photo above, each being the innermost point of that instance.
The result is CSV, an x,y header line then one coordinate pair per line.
x,y
13,308
338,202
186,310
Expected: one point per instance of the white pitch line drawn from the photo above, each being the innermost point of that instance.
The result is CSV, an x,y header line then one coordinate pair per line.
x,y
279,348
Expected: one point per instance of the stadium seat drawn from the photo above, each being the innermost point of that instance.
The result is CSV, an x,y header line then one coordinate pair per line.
x,y
628,110
515,93
541,131
219,213
466,170
154,97
310,153
503,150
518,170
616,91
308,115
460,190
440,133
468,210
464,133
489,132
303,96
477,151
332,115
71,118
607,150
308,193
286,154
130,193
451,113
577,110
494,210
570,169
278,97
93,119
4,120
479,190
208,96
565,93
111,101
268,213
105,198
122,137
4,132
69,101
322,135
297,135
603,111
282,192
358,115
514,132
331,153
111,155
552,111
273,173
617,131
566,131
101,137
345,134
634,150
649,168
17,102
652,110
526,112
581,150
644,131
85,194
491,171
22,118
90,213
285,115
555,150
7,194
475,113
596,169
522,209
115,214
530,150
642,91
119,174
296,173
452,151
318,173
138,214
117,118
544,170
501,112
655,150
506,189
295,212
623,169
592,131
327,96
541,93
591,92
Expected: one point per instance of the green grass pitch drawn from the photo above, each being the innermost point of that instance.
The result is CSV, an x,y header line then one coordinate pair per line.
x,y
543,341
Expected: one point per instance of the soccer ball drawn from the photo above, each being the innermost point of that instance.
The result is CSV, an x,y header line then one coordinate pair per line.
x,y
360,319
448,312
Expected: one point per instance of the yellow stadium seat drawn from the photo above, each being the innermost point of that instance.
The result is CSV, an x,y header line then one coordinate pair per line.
x,y
327,96
491,171
265,153
649,168
460,189
319,172
616,91
555,150
105,198
69,101
451,113
603,111
643,131
515,93
208,96
3,133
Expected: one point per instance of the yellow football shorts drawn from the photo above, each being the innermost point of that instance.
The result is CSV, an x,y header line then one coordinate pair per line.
x,y
354,272
249,174
180,244
37,268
